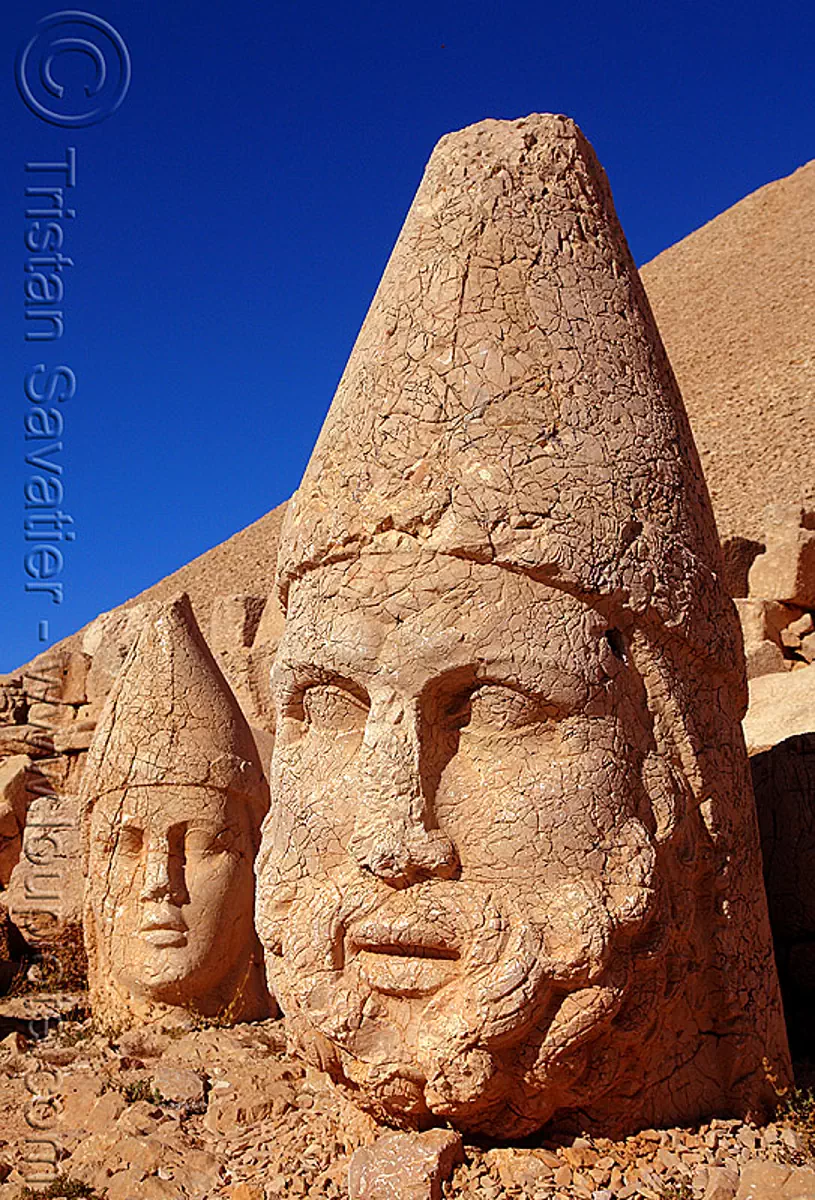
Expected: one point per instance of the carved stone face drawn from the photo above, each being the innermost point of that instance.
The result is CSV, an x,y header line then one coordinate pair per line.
x,y
171,891
459,866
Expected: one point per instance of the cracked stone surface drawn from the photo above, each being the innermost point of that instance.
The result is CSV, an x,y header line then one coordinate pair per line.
x,y
172,799
405,1166
510,873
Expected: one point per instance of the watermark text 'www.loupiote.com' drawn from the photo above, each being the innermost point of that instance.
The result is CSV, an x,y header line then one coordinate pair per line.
x,y
72,72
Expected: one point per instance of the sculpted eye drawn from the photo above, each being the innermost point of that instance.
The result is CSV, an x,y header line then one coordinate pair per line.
x,y
129,840
494,707
203,842
329,706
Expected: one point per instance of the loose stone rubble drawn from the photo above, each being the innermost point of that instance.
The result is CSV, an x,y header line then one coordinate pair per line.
x,y
217,1113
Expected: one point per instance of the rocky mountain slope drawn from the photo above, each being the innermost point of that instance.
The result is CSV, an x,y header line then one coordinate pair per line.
x,y
735,305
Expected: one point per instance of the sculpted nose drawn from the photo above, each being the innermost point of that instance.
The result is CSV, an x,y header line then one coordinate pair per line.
x,y
158,882
400,853
395,835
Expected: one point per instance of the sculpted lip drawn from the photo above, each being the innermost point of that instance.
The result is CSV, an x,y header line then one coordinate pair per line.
x,y
402,939
163,929
407,956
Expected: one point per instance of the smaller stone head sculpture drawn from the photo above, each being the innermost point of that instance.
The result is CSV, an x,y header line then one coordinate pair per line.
x,y
173,796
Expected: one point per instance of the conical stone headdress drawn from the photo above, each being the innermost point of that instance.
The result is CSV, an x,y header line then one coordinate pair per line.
x,y
172,719
509,400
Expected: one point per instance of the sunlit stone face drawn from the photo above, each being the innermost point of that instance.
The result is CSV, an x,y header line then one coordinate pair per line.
x,y
172,893
458,882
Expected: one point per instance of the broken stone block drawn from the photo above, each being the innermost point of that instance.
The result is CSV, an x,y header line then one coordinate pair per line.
x,y
405,1166
245,1191
178,1084
762,1180
107,1109
73,739
761,624
107,641
13,805
781,706
722,1183
803,625
234,622
808,647
786,570
521,1170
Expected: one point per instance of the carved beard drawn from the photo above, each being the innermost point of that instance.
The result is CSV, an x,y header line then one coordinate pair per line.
x,y
515,1002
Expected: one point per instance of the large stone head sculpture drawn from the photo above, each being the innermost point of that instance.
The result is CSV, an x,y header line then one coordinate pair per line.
x,y
510,870
173,796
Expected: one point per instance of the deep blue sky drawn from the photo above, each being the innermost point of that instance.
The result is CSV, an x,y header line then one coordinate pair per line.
x,y
235,213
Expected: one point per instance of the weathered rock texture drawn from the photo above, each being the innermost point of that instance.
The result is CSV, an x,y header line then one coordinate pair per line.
x,y
172,799
784,781
780,732
736,309
267,1128
510,873
786,569
404,1166
781,706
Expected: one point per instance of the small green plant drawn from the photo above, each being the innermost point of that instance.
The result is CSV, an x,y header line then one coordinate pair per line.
x,y
225,1017
140,1089
677,1189
61,1187
72,1033
60,966
797,1112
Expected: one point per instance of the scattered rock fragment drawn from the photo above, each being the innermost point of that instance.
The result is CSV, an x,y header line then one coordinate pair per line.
x,y
405,1166
786,569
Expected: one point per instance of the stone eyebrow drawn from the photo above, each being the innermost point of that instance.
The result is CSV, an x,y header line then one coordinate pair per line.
x,y
307,669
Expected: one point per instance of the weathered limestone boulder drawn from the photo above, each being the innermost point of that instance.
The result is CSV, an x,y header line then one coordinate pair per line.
x,y
781,706
405,1166
243,635
762,622
172,798
780,734
13,806
46,885
776,1181
786,570
510,874
107,641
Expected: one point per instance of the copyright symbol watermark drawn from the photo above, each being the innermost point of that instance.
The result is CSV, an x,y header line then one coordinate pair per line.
x,y
106,64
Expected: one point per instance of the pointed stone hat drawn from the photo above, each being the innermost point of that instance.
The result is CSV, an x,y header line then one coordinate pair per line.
x,y
509,399
172,719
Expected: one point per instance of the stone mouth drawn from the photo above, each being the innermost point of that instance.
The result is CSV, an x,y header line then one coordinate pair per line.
x,y
164,936
408,950
403,958
409,935
404,976
163,928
